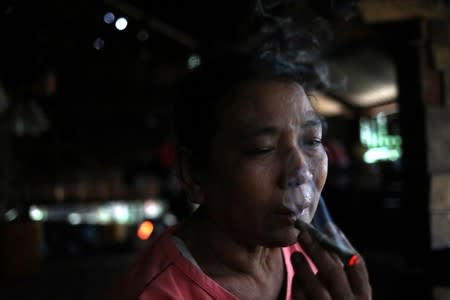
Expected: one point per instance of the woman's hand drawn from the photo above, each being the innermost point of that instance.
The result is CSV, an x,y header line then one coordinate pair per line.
x,y
333,280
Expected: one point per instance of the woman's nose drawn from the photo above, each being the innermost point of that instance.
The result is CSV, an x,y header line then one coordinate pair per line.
x,y
297,169
299,177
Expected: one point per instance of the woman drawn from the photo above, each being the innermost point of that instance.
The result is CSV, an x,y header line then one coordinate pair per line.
x,y
250,154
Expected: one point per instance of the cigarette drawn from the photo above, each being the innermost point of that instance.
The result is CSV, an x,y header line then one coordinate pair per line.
x,y
346,255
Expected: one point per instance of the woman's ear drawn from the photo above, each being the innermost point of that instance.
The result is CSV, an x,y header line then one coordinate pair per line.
x,y
189,176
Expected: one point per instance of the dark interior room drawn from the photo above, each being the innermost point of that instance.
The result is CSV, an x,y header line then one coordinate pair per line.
x,y
87,152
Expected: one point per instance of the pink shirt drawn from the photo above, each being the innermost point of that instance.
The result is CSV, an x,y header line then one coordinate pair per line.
x,y
163,272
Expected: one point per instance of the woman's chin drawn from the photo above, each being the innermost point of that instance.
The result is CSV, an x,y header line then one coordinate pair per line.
x,y
285,238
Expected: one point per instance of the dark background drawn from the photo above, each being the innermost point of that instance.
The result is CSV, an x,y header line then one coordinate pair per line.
x,y
108,106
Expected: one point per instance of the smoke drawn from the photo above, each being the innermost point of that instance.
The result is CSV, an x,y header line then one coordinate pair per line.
x,y
297,45
293,36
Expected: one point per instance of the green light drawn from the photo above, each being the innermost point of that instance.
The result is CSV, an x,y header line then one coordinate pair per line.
x,y
383,153
381,146
36,214
11,215
193,61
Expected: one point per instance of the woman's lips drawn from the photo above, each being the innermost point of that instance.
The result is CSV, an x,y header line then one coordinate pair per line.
x,y
299,199
292,215
302,213
292,206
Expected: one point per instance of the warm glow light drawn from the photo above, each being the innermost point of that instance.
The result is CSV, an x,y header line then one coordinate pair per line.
x,y
379,94
145,230
326,105
353,261
121,23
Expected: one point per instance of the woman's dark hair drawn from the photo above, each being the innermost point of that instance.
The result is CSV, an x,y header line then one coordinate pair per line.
x,y
283,55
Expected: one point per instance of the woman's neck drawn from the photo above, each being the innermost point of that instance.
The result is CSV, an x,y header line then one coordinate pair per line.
x,y
220,254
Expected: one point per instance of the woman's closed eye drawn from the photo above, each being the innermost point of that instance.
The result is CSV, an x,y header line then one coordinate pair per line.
x,y
259,150
311,143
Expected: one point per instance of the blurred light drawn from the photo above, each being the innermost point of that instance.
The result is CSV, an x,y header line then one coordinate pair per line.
x,y
326,105
142,35
99,43
120,213
374,134
91,217
121,23
388,108
109,18
169,219
103,215
193,61
376,95
36,214
195,206
382,153
145,230
11,215
153,209
74,218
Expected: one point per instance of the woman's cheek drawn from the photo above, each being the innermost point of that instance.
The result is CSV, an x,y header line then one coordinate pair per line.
x,y
321,171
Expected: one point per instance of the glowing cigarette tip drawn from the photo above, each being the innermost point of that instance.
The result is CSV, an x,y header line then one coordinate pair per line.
x,y
346,255
353,261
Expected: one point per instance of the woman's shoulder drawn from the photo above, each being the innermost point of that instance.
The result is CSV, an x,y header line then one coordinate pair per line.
x,y
161,271
150,264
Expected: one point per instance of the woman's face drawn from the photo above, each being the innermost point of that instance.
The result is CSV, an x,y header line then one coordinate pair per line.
x,y
267,165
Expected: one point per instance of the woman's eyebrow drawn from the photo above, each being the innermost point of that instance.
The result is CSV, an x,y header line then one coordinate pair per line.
x,y
256,130
313,120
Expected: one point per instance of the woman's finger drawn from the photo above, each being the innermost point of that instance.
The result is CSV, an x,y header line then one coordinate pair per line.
x,y
330,271
358,278
305,283
297,292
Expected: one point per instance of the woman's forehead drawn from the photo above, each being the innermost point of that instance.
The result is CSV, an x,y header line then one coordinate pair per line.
x,y
271,99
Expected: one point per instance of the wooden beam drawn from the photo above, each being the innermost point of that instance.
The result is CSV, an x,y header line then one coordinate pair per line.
x,y
374,11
